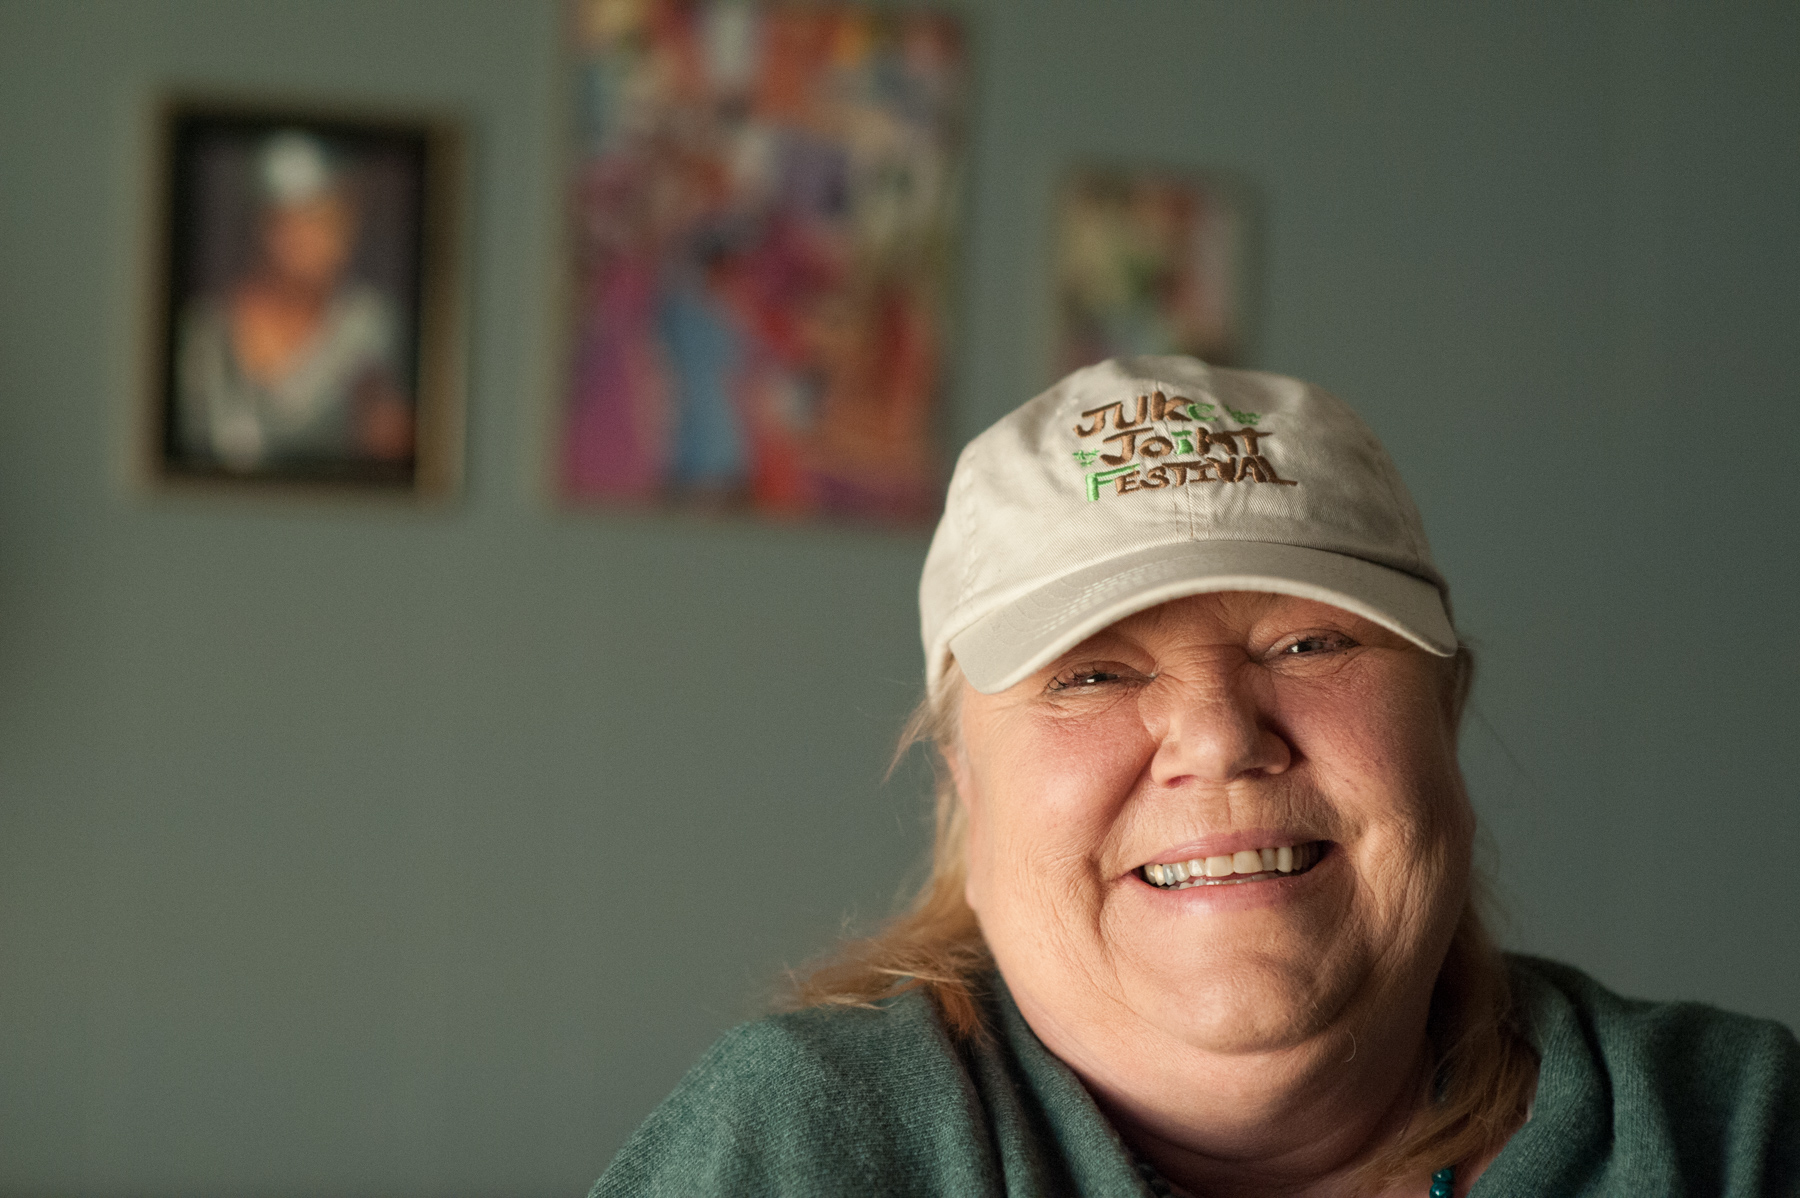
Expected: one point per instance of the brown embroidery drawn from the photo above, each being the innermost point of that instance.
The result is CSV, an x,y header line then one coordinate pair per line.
x,y
1226,439
1137,439
1212,470
1263,472
1099,415
1183,469
1129,436
1153,407
1197,440
1164,408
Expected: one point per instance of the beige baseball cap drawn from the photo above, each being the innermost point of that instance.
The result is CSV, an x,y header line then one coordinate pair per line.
x,y
1140,480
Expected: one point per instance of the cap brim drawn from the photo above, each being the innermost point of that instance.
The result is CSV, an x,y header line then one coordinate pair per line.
x,y
1014,641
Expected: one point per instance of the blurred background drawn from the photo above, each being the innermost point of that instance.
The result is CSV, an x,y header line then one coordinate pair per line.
x,y
350,848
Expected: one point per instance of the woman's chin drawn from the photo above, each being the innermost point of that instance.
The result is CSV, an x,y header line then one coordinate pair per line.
x,y
1247,1002
1260,972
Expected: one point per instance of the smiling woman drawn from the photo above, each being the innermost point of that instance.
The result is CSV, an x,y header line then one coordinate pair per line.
x,y
1201,917
1214,729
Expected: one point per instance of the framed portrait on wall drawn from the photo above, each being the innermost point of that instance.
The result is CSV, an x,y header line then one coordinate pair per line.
x,y
1153,261
305,301
763,208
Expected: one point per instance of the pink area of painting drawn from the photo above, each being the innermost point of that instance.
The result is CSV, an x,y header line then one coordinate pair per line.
x,y
617,424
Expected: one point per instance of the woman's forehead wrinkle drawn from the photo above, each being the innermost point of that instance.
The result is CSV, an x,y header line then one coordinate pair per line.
x,y
1224,617
1201,615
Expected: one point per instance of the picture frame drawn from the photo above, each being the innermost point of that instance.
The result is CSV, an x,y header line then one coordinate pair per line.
x,y
764,207
305,300
1154,259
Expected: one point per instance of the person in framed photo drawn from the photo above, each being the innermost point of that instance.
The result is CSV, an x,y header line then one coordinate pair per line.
x,y
296,360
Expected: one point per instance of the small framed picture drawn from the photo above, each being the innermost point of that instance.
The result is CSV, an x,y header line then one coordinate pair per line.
x,y
305,301
1153,261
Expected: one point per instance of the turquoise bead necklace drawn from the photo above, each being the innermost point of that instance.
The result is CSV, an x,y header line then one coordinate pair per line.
x,y
1443,1183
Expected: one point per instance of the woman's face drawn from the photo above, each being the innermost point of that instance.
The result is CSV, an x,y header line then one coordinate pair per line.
x,y
309,242
1213,727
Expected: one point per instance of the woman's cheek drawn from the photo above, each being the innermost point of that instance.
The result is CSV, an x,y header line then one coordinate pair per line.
x,y
1069,783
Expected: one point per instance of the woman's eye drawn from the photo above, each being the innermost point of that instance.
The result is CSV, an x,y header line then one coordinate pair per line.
x,y
1316,642
1082,678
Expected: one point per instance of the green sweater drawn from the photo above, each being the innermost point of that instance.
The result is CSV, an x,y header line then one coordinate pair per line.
x,y
1634,1099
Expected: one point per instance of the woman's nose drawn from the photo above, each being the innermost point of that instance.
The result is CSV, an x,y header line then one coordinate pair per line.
x,y
1214,728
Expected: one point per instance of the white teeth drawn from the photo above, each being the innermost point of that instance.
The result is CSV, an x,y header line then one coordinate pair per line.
x,y
1180,875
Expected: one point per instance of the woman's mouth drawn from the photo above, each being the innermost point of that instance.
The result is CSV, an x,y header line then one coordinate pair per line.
x,y
1245,865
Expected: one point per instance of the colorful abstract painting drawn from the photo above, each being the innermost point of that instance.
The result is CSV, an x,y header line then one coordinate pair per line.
x,y
1151,262
764,208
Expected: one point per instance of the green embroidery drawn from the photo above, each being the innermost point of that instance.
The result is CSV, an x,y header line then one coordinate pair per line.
x,y
1104,476
1086,456
1194,411
1184,439
1243,417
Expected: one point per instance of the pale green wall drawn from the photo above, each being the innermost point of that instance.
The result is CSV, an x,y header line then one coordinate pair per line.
x,y
351,851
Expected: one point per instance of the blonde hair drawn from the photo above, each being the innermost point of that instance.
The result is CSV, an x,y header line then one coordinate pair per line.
x,y
1484,1067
